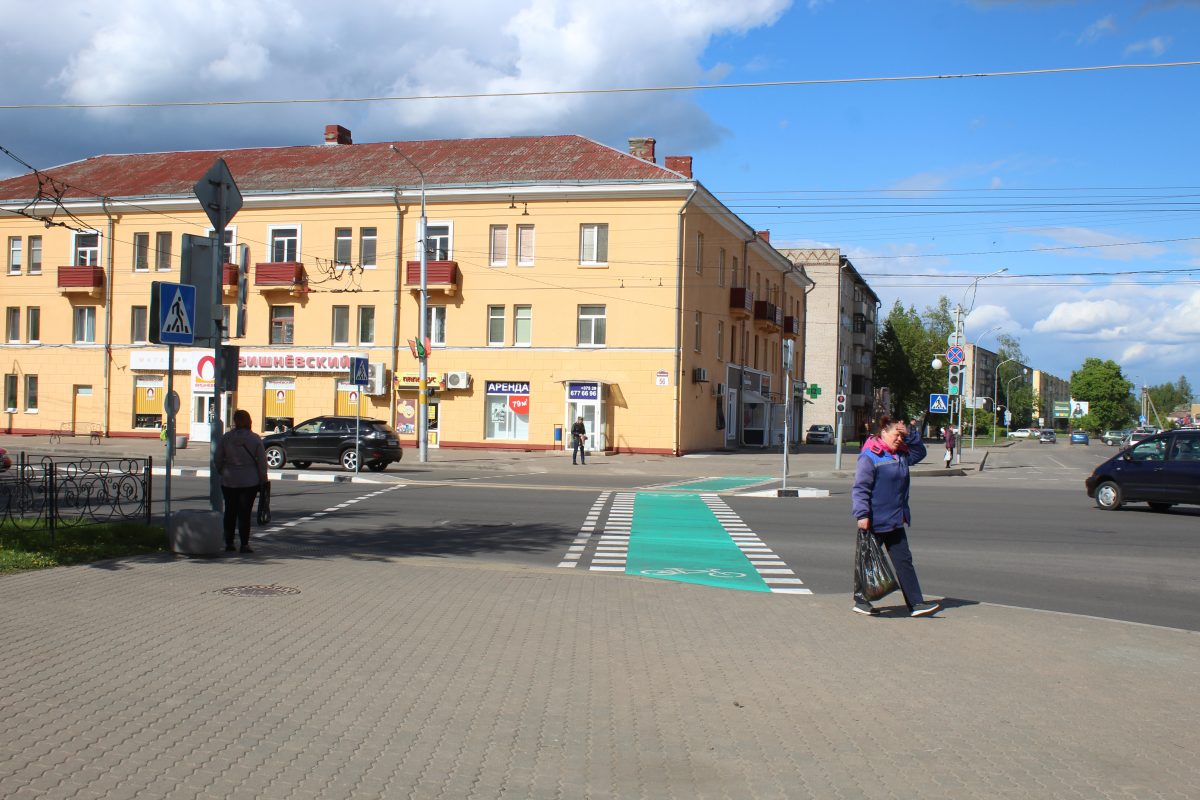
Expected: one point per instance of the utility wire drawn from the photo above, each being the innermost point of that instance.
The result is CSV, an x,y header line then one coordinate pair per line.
x,y
616,90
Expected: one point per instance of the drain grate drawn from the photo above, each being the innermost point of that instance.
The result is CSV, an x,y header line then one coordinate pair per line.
x,y
274,590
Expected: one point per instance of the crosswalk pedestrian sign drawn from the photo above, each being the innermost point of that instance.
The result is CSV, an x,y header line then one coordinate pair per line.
x,y
172,313
939,403
360,372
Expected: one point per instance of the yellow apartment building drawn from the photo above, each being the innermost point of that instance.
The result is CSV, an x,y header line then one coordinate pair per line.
x,y
565,278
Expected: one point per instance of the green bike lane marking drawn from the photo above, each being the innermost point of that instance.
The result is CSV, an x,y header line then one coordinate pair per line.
x,y
676,537
716,484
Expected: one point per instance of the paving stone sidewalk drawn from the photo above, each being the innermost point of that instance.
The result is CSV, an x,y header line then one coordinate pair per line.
x,y
424,678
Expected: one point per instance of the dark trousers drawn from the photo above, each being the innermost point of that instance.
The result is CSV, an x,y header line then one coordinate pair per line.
x,y
579,450
239,503
896,543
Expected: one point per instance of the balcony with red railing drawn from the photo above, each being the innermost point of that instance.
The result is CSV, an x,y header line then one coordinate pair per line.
x,y
741,302
440,276
768,316
80,279
277,275
791,326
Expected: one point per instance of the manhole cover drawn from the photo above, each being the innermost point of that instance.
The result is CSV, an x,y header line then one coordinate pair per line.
x,y
273,590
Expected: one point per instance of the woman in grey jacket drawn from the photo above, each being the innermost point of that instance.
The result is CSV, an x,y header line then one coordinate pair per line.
x,y
242,463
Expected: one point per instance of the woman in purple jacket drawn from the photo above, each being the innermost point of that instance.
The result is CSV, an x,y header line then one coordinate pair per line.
x,y
880,503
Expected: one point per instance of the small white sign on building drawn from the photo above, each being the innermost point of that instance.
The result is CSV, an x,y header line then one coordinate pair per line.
x,y
662,378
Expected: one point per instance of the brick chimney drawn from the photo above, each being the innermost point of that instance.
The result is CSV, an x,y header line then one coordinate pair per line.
x,y
642,147
764,235
336,134
680,164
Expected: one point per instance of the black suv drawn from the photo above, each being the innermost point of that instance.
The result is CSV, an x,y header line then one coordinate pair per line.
x,y
1163,470
330,440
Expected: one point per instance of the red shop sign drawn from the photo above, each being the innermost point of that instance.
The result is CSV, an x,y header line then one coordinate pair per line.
x,y
519,403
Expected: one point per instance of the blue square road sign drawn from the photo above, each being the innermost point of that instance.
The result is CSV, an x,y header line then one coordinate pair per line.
x,y
939,403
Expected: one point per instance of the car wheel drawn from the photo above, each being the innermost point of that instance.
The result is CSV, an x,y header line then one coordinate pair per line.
x,y
1160,507
349,460
275,456
377,466
301,464
1108,496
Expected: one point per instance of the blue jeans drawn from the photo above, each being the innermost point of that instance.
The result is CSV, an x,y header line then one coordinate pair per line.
x,y
896,543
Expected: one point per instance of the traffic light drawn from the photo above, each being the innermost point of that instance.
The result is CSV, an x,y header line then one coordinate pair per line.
x,y
955,379
840,407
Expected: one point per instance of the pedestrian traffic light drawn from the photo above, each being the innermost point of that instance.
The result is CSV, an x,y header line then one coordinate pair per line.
x,y
955,379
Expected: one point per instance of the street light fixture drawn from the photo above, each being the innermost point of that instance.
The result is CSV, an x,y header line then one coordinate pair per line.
x,y
423,326
995,392
1007,403
975,380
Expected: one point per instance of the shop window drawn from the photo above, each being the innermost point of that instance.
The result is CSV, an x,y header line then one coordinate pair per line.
x,y
495,335
285,245
435,325
14,255
507,417
343,245
12,324
31,393
498,256
522,325
367,242
33,324
366,324
162,251
10,393
87,250
141,252
283,320
592,324
524,245
437,242
341,324
138,324
148,402
85,325
593,243
35,255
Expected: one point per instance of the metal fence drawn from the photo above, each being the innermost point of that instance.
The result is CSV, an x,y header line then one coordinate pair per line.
x,y
56,492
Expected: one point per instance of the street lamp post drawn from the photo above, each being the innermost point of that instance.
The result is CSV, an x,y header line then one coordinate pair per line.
x,y
423,326
1007,402
958,340
996,393
975,379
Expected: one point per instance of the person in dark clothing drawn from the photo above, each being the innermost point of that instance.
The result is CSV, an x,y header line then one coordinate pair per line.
x,y
951,441
579,442
242,462
880,503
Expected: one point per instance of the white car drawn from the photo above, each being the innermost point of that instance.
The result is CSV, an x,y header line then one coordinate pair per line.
x,y
1021,433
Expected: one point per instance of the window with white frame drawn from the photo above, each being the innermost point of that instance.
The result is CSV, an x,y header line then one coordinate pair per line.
x,y
366,324
85,325
343,246
35,255
31,393
285,245
721,267
437,242
283,324
33,324
15,251
229,246
699,253
162,251
341,324
524,245
735,278
87,250
720,340
10,392
593,243
498,256
141,252
698,331
592,323
435,325
522,325
12,324
495,336
138,322
368,239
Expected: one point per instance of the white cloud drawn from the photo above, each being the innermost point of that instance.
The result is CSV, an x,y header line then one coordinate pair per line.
x,y
1092,317
1156,46
1097,244
1097,30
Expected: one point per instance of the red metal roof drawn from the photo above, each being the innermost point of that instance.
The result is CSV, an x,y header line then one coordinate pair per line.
x,y
452,162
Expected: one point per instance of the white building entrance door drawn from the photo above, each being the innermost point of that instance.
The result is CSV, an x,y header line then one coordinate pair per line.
x,y
584,400
202,410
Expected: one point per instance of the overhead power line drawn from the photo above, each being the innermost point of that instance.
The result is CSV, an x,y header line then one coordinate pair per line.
x,y
614,90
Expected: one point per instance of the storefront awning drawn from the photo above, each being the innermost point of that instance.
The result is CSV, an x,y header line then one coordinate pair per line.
x,y
750,398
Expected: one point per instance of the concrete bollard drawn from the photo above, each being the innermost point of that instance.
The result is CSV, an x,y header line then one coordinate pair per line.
x,y
196,533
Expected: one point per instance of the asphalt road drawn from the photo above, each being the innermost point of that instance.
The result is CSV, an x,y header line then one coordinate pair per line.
x,y
1022,532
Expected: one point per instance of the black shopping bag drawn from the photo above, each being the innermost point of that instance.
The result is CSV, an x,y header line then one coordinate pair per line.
x,y
264,503
873,571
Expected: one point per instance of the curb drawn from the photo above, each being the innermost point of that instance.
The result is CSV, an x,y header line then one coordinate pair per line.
x,y
204,472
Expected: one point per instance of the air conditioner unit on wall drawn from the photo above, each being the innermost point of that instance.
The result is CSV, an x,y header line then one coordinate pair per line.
x,y
718,390
699,375
458,380
378,378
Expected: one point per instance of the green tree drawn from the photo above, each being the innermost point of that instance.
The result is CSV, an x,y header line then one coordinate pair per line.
x,y
1106,390
907,344
1166,396
893,370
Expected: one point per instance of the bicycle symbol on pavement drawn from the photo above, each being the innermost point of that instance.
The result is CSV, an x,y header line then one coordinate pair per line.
x,y
715,572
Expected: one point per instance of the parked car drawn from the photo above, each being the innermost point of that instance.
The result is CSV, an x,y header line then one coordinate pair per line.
x,y
1114,437
819,434
1080,437
330,440
1048,436
1021,433
5,461
1163,471
1137,435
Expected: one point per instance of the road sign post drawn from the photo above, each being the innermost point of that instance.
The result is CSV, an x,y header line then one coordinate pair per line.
x,y
360,376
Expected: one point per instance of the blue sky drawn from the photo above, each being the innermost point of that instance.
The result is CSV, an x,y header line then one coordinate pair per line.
x,y
922,183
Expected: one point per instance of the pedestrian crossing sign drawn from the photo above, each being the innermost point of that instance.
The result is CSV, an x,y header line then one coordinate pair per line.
x,y
939,403
172,313
360,372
